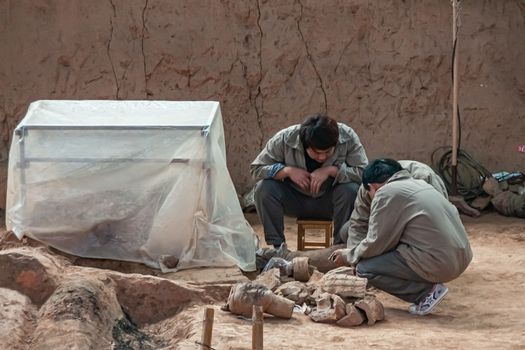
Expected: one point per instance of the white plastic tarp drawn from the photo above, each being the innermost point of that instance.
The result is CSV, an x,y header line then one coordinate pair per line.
x,y
128,180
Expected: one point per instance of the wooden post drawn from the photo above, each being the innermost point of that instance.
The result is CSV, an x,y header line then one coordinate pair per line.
x,y
454,97
257,328
207,327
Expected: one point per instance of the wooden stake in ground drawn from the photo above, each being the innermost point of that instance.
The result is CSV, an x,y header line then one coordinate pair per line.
x,y
257,328
207,327
455,139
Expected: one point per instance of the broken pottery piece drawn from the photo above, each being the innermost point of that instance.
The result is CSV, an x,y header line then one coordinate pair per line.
x,y
270,279
343,284
295,291
300,269
354,317
244,295
373,309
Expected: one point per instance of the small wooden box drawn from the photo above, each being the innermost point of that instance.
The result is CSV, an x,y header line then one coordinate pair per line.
x,y
313,224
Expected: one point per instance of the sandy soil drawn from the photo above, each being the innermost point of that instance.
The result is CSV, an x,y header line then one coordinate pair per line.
x,y
484,309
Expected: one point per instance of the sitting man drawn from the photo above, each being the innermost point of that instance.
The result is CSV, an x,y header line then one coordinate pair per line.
x,y
415,240
312,170
355,230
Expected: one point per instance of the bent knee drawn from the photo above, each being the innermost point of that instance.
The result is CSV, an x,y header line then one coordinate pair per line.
x,y
362,271
267,187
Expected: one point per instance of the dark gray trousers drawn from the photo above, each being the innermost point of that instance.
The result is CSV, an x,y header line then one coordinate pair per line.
x,y
274,199
390,273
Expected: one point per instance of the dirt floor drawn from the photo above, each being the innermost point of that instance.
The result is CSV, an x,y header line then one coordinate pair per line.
x,y
484,309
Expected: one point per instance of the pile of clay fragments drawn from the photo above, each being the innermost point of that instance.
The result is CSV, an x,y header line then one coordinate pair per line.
x,y
337,297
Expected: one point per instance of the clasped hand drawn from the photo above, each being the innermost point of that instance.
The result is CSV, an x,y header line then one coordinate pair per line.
x,y
311,182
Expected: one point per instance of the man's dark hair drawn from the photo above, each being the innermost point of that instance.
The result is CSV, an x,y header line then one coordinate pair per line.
x,y
379,171
319,132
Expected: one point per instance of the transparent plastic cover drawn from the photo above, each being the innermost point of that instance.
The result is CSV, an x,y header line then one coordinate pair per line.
x,y
142,181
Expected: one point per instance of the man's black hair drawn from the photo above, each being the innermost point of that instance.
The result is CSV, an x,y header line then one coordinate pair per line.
x,y
319,132
380,170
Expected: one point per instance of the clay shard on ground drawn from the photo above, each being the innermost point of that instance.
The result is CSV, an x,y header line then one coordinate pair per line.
x,y
330,308
354,317
342,282
244,295
295,291
270,279
301,269
315,278
373,309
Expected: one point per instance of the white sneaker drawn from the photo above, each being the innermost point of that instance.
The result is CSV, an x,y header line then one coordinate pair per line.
x,y
431,301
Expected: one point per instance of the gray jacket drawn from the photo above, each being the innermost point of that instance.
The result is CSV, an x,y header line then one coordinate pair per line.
x,y
361,213
285,149
410,216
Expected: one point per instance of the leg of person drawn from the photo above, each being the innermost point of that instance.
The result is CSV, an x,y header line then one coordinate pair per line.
x,y
274,199
343,233
343,198
390,273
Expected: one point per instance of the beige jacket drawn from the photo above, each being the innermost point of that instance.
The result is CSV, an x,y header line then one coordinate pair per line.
x,y
361,213
410,216
285,149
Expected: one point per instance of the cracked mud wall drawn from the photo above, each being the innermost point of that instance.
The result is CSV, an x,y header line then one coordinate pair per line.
x,y
383,67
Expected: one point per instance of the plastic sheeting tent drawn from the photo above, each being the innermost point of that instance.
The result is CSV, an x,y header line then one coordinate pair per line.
x,y
128,180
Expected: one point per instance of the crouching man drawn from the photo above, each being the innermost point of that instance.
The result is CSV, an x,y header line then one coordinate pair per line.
x,y
415,240
355,230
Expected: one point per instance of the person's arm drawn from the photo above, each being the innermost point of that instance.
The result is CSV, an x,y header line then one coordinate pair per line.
x,y
384,229
269,164
300,177
355,161
270,161
359,219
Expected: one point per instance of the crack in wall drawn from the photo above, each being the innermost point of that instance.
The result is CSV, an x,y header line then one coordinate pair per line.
x,y
342,54
142,48
310,58
251,98
259,92
108,47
